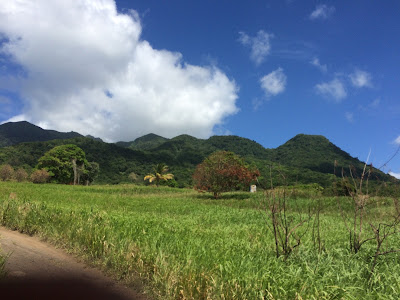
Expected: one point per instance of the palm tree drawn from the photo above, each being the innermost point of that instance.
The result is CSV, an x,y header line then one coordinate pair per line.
x,y
158,174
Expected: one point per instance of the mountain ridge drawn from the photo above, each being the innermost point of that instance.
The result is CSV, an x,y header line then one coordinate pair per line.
x,y
12,133
305,158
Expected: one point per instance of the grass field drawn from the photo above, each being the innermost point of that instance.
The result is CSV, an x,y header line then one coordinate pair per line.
x,y
185,245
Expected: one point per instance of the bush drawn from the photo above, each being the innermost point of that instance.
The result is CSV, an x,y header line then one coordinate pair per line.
x,y
40,176
21,175
6,172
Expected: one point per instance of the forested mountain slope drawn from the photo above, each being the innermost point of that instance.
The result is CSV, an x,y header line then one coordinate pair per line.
x,y
303,159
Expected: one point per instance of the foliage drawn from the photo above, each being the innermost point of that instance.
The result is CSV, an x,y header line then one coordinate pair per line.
x,y
91,172
40,176
21,175
223,171
158,174
133,177
305,159
6,172
146,142
60,160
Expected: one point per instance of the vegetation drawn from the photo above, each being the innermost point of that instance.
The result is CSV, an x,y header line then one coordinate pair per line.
x,y
186,245
6,172
65,164
158,174
21,175
305,159
40,176
222,172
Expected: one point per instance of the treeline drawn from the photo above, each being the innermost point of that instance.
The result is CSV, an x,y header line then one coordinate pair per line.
x,y
302,160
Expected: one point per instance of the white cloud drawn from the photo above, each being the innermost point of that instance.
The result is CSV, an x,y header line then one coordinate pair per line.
x,y
322,12
260,45
360,79
274,83
397,140
349,117
315,62
87,70
333,89
396,175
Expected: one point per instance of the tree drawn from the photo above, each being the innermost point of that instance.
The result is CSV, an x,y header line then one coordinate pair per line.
x,y
62,163
158,174
223,171
92,171
6,172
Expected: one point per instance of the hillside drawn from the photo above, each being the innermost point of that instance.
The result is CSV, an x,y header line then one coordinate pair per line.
x,y
13,133
317,153
145,142
303,159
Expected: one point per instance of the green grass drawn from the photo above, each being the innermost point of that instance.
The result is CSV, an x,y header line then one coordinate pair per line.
x,y
186,245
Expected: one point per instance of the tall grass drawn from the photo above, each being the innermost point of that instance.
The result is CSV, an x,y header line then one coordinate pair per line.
x,y
184,245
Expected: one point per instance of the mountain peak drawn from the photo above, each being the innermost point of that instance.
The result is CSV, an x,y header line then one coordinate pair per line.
x,y
12,133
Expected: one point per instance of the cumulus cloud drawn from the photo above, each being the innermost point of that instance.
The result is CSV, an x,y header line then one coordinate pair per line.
x,y
397,140
322,12
396,175
315,62
334,89
87,69
260,45
360,79
274,83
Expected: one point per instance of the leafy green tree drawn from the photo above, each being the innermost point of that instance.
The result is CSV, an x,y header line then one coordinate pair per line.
x,y
223,171
6,172
92,171
62,162
158,174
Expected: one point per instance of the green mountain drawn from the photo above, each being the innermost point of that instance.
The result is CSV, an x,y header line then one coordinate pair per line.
x,y
13,133
303,159
145,142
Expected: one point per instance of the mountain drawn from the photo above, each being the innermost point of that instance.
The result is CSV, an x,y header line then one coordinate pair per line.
x,y
145,142
302,159
13,133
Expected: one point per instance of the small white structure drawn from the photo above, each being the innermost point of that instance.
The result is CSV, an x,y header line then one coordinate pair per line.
x,y
253,188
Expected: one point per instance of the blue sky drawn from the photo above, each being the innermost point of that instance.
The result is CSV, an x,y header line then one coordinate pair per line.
x,y
264,70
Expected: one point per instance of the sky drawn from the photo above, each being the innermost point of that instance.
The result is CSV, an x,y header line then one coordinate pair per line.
x,y
264,70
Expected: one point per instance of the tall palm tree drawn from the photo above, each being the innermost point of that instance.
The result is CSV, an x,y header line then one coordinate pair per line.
x,y
158,174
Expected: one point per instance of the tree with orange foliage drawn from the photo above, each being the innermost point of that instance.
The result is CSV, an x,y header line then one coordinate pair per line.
x,y
223,171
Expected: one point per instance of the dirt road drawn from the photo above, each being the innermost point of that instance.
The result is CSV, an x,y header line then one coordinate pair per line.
x,y
37,270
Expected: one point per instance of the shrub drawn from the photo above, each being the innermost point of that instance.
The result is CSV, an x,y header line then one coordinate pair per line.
x,y
21,175
40,176
6,172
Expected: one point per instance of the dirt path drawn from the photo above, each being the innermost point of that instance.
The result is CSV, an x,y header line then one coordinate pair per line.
x,y
37,270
